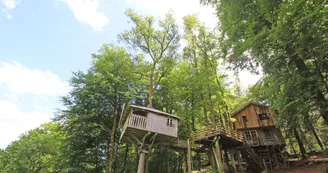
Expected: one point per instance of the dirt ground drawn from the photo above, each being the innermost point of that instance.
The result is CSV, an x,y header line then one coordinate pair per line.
x,y
313,164
313,168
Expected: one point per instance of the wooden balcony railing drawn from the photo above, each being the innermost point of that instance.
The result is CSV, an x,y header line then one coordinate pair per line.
x,y
137,121
217,129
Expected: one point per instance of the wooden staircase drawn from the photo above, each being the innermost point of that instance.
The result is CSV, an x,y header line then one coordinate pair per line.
x,y
254,162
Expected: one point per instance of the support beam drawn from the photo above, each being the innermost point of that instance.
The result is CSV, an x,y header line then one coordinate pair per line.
x,y
189,157
226,159
211,158
184,162
216,159
218,155
152,140
141,165
142,151
135,138
233,161
240,167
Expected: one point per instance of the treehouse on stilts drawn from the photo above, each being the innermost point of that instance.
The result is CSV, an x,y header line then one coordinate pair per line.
x,y
263,146
248,142
146,127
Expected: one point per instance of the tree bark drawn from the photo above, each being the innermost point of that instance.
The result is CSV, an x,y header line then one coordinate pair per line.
x,y
125,157
112,143
150,90
311,128
290,142
304,139
305,72
141,164
300,143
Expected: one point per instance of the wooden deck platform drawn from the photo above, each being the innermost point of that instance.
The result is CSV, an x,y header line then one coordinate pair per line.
x,y
182,145
228,138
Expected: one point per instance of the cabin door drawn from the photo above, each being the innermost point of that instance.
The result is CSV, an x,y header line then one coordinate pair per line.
x,y
251,137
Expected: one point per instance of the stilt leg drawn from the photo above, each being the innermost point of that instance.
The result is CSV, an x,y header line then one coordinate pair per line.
x,y
141,165
233,161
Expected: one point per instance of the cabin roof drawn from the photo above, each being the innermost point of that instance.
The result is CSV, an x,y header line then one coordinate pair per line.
x,y
247,105
128,109
154,111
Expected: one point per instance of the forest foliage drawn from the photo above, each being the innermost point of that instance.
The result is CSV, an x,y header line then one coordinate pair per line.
x,y
182,70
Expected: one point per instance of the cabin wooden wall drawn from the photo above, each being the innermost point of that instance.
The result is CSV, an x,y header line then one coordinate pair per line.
x,y
253,120
158,124
277,139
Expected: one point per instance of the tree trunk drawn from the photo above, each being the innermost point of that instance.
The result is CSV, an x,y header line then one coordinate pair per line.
x,y
305,72
311,128
150,90
304,139
198,161
141,164
112,143
192,112
290,142
125,157
300,143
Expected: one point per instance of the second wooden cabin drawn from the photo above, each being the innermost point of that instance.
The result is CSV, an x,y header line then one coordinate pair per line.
x,y
258,125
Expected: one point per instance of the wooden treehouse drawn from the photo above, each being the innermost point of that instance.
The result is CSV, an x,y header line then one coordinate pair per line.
x,y
252,143
145,127
263,142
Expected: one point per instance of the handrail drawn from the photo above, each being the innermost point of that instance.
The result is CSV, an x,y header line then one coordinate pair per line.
x,y
137,121
218,129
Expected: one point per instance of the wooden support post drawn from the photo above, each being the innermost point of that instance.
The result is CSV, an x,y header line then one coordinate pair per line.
x,y
184,162
265,166
226,159
211,157
240,167
189,157
216,159
219,155
275,157
141,165
147,162
233,161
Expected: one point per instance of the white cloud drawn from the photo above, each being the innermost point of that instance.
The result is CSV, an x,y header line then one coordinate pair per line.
x,y
86,12
14,122
19,79
25,103
9,4
179,7
247,78
9,16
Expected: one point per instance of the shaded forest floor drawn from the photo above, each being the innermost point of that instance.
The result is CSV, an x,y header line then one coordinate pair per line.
x,y
313,164
313,168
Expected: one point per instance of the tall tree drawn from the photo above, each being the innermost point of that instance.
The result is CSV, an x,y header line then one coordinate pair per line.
x,y
93,108
37,151
159,41
279,36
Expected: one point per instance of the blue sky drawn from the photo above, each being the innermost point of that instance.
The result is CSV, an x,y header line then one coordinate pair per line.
x,y
43,42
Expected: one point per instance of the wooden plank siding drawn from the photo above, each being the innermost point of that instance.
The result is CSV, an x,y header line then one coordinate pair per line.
x,y
153,123
251,112
158,124
262,126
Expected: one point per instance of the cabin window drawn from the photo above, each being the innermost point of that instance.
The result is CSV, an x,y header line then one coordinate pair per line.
x,y
248,135
244,121
263,116
169,122
268,134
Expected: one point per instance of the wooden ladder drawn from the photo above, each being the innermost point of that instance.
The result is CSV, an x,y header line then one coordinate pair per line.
x,y
253,160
